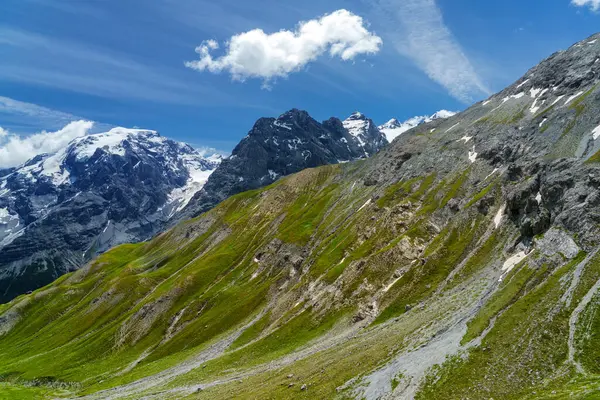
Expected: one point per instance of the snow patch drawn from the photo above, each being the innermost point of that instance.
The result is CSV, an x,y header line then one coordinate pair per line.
x,y
559,98
570,99
472,155
452,127
499,216
364,205
522,84
388,287
491,173
596,132
393,128
282,125
511,263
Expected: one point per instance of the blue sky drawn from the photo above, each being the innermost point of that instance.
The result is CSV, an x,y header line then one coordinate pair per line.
x,y
121,62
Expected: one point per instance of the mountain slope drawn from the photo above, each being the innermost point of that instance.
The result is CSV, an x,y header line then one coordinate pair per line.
x,y
59,210
459,262
282,146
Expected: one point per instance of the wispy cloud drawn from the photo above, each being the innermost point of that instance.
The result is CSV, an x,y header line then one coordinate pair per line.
x,y
418,31
256,54
32,58
29,114
594,5
15,149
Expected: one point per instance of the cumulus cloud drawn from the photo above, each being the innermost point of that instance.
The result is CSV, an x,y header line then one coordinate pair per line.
x,y
15,150
593,4
418,32
256,54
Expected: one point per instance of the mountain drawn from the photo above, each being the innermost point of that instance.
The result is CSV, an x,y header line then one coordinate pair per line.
x,y
58,211
277,147
461,261
393,128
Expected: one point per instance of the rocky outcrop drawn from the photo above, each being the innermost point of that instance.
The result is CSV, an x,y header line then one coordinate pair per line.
x,y
276,147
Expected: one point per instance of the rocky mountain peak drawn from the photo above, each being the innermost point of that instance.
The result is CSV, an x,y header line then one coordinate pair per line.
x,y
393,128
58,210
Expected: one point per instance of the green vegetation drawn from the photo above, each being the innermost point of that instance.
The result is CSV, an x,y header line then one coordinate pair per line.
x,y
292,287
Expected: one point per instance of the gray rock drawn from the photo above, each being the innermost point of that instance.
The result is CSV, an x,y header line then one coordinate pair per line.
x,y
557,241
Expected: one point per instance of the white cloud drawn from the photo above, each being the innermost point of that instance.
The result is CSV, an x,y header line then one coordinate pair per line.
x,y
256,54
15,150
418,32
593,4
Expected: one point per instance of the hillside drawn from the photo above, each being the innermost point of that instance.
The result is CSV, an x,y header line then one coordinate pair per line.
x,y
461,261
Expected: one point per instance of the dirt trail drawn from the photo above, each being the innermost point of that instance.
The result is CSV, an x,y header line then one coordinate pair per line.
x,y
163,377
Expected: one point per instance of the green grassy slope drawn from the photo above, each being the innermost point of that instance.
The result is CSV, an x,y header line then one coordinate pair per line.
x,y
348,281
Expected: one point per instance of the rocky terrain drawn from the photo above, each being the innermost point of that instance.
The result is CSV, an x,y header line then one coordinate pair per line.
x,y
277,147
461,261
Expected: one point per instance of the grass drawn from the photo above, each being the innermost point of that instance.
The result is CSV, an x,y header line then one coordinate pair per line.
x,y
186,290
526,344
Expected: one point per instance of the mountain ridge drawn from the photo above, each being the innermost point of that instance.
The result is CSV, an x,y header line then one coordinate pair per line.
x,y
394,128
301,142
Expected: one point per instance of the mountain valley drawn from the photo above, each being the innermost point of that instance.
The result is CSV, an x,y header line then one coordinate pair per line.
x,y
458,261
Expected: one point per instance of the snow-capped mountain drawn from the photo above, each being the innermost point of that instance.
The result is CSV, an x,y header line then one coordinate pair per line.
x,y
393,128
365,132
59,210
276,147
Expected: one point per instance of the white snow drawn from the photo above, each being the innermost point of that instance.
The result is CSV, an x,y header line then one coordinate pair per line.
x,y
491,173
570,99
392,283
524,82
514,96
559,98
499,215
538,198
364,205
273,174
465,138
596,132
106,227
472,155
534,92
485,103
511,263
393,128
543,122
111,141
592,41
282,125
454,126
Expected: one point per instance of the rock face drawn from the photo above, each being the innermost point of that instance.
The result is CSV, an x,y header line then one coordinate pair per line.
x,y
276,147
58,211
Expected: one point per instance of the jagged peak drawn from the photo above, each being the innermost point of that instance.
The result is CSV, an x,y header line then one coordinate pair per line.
x,y
393,128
